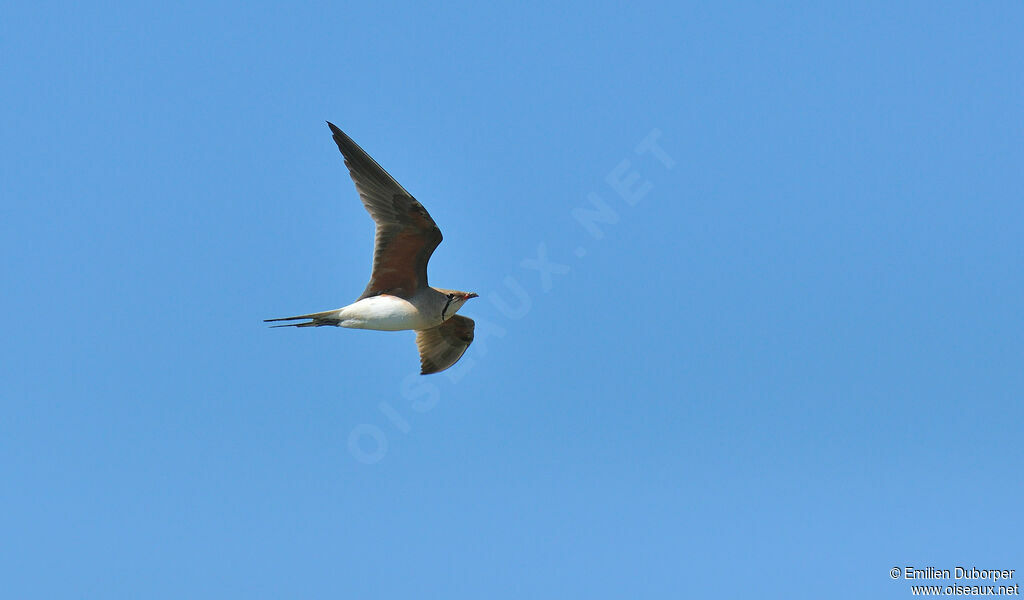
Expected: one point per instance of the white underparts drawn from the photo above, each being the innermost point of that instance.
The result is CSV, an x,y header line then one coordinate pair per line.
x,y
385,313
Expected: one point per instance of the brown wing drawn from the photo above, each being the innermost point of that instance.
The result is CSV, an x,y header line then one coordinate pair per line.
x,y
406,235
442,346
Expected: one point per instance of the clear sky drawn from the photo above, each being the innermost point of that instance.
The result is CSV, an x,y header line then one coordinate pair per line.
x,y
749,323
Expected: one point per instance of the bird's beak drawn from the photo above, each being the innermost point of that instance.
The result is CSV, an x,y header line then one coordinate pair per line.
x,y
472,295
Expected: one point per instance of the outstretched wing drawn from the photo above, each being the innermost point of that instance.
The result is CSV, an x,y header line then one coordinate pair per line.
x,y
406,235
442,346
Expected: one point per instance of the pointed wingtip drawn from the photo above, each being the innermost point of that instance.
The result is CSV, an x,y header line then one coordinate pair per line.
x,y
334,128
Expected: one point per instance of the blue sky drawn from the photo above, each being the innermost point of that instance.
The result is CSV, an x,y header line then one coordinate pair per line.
x,y
792,362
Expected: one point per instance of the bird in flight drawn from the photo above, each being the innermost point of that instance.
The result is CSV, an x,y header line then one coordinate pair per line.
x,y
398,297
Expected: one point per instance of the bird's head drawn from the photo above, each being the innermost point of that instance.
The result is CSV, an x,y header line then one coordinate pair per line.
x,y
456,300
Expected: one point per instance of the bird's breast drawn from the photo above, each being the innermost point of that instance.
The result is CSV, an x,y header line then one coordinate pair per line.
x,y
384,313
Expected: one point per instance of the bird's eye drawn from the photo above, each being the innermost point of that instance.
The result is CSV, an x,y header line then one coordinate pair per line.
x,y
451,296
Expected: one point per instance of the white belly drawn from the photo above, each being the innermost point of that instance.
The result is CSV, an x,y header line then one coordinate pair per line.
x,y
383,313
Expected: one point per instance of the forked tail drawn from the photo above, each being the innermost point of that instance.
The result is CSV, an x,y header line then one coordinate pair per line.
x,y
320,319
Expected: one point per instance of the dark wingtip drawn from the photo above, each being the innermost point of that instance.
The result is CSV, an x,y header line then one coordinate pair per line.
x,y
334,128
